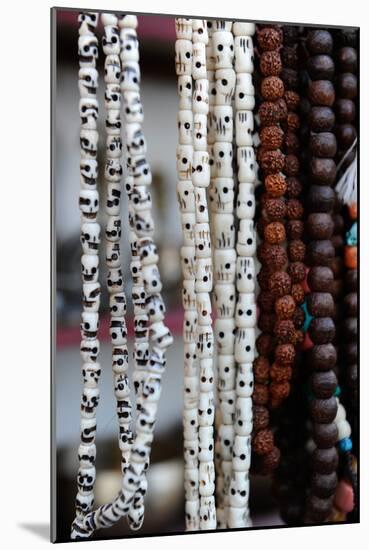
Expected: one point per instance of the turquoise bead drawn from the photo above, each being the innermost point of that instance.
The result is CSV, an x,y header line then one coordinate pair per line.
x,y
351,235
308,317
345,444
337,392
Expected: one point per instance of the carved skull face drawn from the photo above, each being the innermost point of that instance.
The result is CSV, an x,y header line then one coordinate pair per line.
x,y
189,326
207,513
206,454
88,204
185,126
147,417
121,386
124,410
84,503
136,270
114,148
89,268
141,327
128,21
125,438
199,60
228,406
185,92
224,231
225,86
191,453
91,296
91,373
161,335
133,110
113,97
245,92
206,375
223,49
246,201
129,45
223,159
141,170
244,349
110,40
152,389
141,198
151,278
131,76
136,143
204,308
87,50
206,409
87,83
205,344
222,195
142,223
118,331
89,401
241,453
86,455
184,161
190,359
120,358
115,280
188,294
88,173
244,128
244,54
202,240
226,436
245,311
88,110
183,57
118,304
141,448
139,299
190,423
246,243
244,404
200,169
113,170
223,123
188,262
89,350
157,360
148,251
204,275
192,514
226,372
113,123
188,228
183,28
201,96
245,274
87,22
155,308
90,238
185,196
239,490
202,214
246,164
224,335
191,483
112,206
224,298
113,229
199,131
88,142
88,430
199,31
112,70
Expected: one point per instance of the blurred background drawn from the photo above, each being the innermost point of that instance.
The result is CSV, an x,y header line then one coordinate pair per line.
x,y
165,498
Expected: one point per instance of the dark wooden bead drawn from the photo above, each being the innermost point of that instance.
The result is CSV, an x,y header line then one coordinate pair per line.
x,y
322,357
337,266
289,57
321,119
294,229
337,289
323,145
290,78
339,223
290,35
350,304
323,171
319,42
323,485
322,330
325,461
352,376
320,304
325,435
347,85
350,352
320,67
351,280
322,93
345,110
346,135
319,253
347,60
320,198
319,226
318,509
324,383
320,279
323,410
350,329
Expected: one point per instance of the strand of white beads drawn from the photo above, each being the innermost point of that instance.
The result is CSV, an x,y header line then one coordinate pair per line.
x,y
186,201
90,239
203,279
245,311
223,226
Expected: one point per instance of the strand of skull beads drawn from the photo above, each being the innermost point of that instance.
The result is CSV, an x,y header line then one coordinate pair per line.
x,y
129,500
203,282
320,304
186,201
245,310
90,239
223,236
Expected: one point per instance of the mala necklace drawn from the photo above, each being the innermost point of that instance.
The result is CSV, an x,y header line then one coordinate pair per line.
x,y
320,304
90,240
129,501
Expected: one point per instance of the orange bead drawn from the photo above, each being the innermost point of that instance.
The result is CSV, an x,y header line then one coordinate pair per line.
x,y
352,208
351,257
307,343
304,283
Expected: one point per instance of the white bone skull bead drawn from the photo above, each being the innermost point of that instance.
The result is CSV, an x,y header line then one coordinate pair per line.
x,y
223,49
88,142
186,196
224,231
223,195
205,343
184,162
89,350
121,386
190,358
245,92
118,304
228,406
88,204
199,31
87,50
202,240
89,268
113,147
89,401
120,357
239,490
91,373
200,101
244,54
203,308
183,28
141,328
151,278
109,19
90,238
113,229
241,453
142,223
199,132
141,198
131,76
223,159
189,326
206,375
226,372
246,201
113,170
225,84
188,294
191,388
112,254
89,325
88,430
112,205
135,268
244,349
223,123
241,28
85,480
190,421
87,22
113,123
208,518
226,437
112,70
204,275
125,438
118,331
202,213
206,409
222,25
191,483
139,299
141,448
185,126
188,262
246,164
87,83
88,111
244,128
161,335
210,119
110,40
199,61
148,251
245,316
244,410
128,21
133,110
136,143
152,389
88,173
188,221
86,455
91,293
183,57
224,330
141,170
245,274
246,242
224,265
206,472
224,298
185,92
192,508
129,45
190,453
114,280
